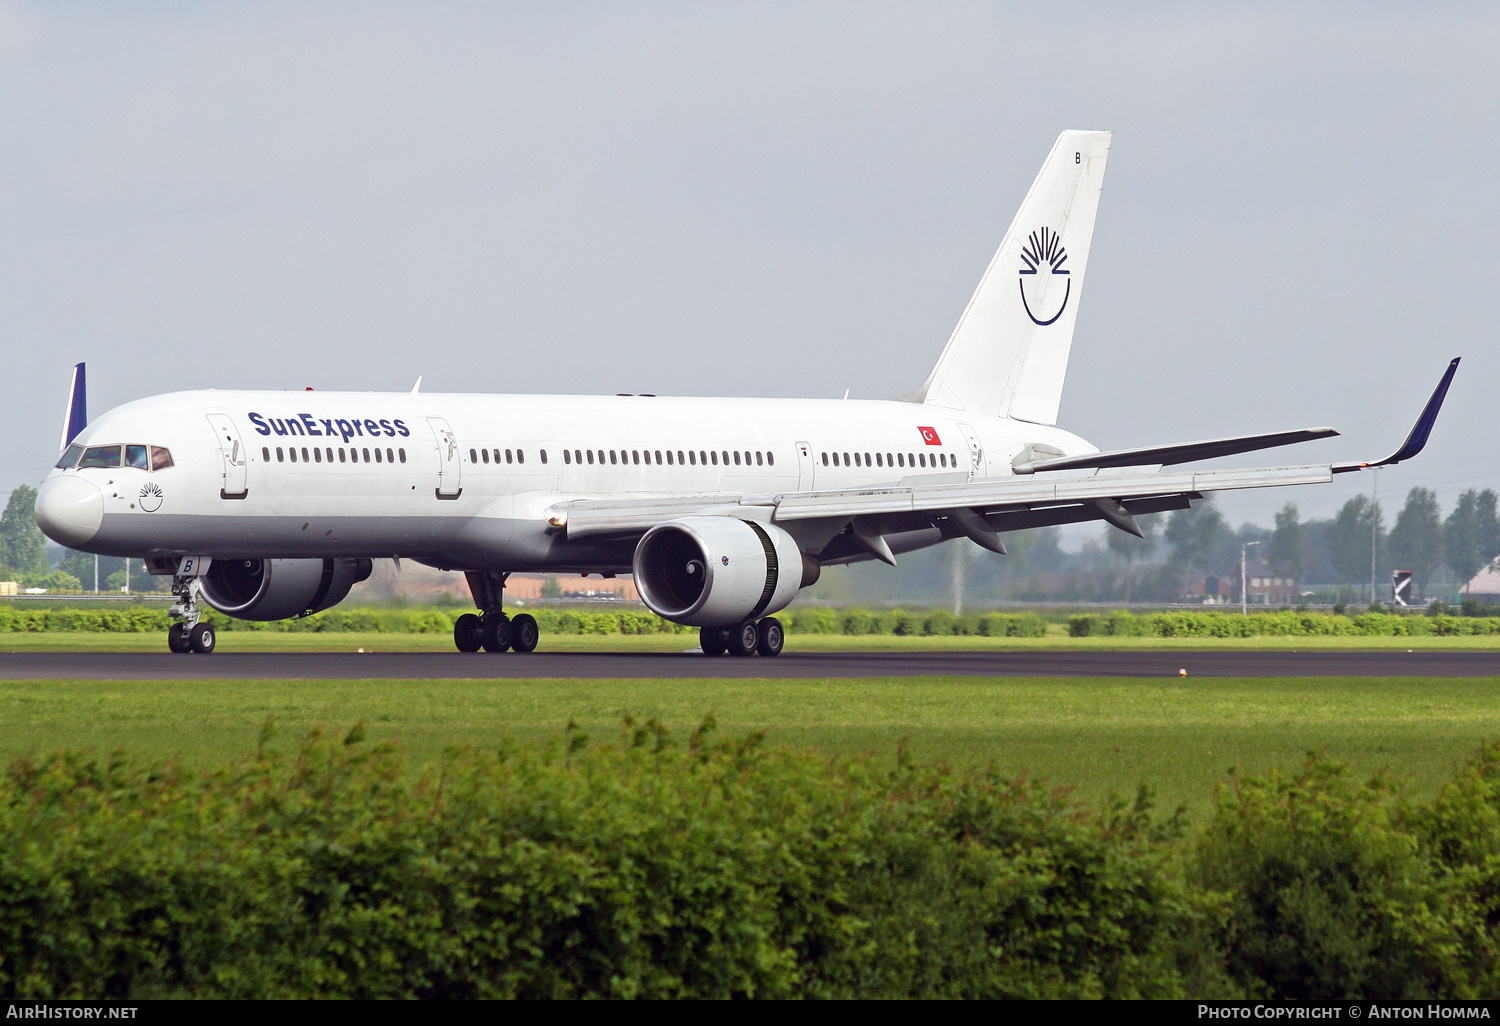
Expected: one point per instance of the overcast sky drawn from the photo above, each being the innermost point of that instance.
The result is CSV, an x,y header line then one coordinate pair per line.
x,y
1298,225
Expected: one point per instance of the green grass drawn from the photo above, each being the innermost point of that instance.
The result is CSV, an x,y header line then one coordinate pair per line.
x,y
271,641
1098,735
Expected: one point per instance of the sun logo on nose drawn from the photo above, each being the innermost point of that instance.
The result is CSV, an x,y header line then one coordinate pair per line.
x,y
1044,256
150,497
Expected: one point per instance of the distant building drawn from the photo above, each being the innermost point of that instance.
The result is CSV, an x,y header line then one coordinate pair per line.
x,y
1485,584
9,588
1265,588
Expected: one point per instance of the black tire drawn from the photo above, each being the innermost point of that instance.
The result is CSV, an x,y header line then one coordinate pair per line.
x,y
177,639
743,638
771,637
712,640
524,633
202,638
466,633
495,633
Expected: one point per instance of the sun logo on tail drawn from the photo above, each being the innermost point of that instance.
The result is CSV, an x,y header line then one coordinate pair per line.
x,y
1043,249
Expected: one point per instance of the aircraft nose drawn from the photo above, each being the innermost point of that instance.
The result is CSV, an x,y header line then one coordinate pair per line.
x,y
69,510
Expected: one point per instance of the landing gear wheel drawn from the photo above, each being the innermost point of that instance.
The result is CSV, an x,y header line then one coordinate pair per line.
x,y
743,638
524,633
202,638
177,639
771,637
712,640
466,633
494,632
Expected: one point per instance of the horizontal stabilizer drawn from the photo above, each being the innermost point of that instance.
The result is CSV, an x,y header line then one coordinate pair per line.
x,y
1184,452
1417,439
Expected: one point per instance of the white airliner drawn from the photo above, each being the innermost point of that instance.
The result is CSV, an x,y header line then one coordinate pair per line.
x,y
268,505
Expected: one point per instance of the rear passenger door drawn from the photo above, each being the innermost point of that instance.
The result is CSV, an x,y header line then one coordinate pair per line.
x,y
450,460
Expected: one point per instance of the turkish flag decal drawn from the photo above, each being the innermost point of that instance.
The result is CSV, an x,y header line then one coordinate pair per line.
x,y
930,436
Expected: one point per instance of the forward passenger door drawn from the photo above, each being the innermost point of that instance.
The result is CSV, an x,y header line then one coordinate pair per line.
x,y
450,459
232,448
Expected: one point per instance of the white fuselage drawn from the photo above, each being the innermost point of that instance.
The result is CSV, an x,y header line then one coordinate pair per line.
x,y
465,481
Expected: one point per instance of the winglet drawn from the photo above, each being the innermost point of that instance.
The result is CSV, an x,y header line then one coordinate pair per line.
x,y
76,418
1417,440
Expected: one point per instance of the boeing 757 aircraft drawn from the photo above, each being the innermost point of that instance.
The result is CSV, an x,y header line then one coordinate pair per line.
x,y
268,505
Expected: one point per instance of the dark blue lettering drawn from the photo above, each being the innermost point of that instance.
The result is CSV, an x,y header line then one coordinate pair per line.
x,y
260,424
311,425
328,428
294,426
401,427
387,426
372,429
357,431
279,426
345,428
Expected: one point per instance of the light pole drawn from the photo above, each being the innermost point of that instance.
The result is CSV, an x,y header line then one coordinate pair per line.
x,y
1244,607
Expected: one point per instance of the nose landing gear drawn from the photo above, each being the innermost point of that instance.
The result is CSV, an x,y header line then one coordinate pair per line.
x,y
766,637
189,633
492,630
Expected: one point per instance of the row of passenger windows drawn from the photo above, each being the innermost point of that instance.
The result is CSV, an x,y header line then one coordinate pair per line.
x,y
141,457
907,459
326,455
483,456
689,458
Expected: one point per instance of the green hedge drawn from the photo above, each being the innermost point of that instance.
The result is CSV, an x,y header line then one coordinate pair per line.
x,y
711,869
1232,625
723,868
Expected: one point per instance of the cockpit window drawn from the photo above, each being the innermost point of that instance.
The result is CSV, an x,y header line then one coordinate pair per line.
x,y
100,456
161,459
135,456
70,457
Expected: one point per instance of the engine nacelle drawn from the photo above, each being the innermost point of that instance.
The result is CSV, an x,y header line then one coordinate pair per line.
x,y
276,589
717,571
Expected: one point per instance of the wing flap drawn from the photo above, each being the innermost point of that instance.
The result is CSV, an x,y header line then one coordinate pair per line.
x,y
1182,452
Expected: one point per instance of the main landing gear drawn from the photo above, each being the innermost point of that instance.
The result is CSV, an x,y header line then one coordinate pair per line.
x,y
744,639
189,633
491,629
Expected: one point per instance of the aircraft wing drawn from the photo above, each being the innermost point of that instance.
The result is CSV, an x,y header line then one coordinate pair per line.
x,y
981,509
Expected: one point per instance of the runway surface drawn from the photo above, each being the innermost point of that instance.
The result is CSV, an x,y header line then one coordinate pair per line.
x,y
288,666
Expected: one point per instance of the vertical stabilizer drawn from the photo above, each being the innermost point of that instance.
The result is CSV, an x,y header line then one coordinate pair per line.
x,y
1009,354
77,418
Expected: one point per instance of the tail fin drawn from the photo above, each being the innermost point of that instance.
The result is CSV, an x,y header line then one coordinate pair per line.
x,y
77,418
1009,354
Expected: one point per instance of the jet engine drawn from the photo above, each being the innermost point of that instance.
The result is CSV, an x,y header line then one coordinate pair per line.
x,y
717,571
276,589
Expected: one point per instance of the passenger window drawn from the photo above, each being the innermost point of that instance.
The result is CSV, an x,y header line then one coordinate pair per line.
x,y
577,456
521,456
888,461
658,457
544,456
497,457
877,460
278,454
612,458
726,458
715,458
846,459
265,454
366,454
635,456
390,457
507,456
736,458
377,455
825,459
747,459
702,457
867,459
135,456
679,458
473,456
343,457
293,454
486,454
590,453
567,456
770,459
100,456
70,457
317,455
758,459
669,457
402,454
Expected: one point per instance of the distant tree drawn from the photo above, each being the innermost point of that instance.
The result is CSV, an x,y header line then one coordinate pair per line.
x,y
1489,527
1461,536
23,547
1284,553
1416,542
1194,534
1130,548
551,588
1349,535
